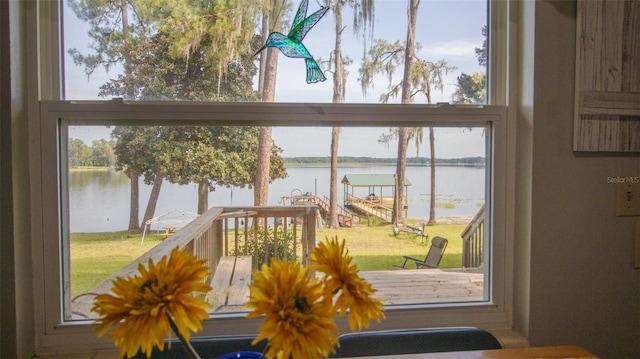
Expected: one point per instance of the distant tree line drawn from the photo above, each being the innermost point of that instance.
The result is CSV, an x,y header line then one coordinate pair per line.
x,y
99,154
412,161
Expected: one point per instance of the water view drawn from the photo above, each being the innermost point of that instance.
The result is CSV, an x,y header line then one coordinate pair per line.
x,y
99,199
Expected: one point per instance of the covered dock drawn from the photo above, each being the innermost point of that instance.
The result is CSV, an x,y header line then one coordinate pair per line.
x,y
373,194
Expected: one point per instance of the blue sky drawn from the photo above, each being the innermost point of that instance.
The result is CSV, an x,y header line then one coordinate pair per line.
x,y
446,29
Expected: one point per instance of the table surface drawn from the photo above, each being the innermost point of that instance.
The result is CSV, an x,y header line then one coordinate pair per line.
x,y
538,353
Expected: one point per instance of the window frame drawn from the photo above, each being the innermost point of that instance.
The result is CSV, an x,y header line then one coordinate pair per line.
x,y
55,335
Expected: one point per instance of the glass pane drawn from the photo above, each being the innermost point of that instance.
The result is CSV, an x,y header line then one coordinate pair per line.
x,y
103,237
178,52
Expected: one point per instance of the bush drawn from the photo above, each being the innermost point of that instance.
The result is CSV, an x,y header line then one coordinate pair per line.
x,y
272,244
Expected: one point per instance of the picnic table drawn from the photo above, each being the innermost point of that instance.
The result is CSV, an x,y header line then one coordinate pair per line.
x,y
230,282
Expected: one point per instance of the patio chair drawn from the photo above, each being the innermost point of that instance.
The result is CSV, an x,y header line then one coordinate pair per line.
x,y
432,260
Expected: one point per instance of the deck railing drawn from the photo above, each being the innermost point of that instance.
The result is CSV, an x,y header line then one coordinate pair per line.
x,y
473,241
262,232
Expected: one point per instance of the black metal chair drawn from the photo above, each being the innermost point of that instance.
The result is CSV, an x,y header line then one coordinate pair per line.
x,y
207,347
433,257
413,341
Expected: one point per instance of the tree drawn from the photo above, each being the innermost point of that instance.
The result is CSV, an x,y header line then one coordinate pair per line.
x,y
215,156
114,36
268,63
170,51
102,153
133,158
481,53
473,88
418,77
79,153
362,20
222,31
425,76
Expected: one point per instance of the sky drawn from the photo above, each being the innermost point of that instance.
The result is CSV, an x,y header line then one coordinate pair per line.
x,y
446,29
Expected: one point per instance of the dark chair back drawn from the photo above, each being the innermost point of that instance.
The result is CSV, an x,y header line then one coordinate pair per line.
x,y
413,341
207,347
436,251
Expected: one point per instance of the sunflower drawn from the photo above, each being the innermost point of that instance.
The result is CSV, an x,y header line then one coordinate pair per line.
x,y
298,319
355,293
143,307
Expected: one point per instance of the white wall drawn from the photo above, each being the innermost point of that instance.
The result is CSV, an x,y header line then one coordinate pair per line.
x,y
583,287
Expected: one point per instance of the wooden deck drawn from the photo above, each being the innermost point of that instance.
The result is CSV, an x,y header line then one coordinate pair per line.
x,y
230,282
417,286
413,286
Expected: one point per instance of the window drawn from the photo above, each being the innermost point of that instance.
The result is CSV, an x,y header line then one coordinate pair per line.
x,y
66,212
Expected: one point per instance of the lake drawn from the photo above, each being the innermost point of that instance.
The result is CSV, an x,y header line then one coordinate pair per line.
x,y
99,199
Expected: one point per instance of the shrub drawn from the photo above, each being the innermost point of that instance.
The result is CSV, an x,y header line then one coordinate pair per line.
x,y
271,244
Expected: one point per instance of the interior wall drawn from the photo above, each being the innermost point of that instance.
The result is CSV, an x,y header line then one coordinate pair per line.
x,y
7,302
16,278
524,133
584,289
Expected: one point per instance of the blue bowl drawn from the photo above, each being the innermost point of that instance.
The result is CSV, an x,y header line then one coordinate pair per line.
x,y
241,355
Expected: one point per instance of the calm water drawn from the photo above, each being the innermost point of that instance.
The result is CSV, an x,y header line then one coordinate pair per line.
x,y
99,200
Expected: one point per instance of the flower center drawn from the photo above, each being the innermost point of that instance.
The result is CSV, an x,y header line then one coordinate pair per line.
x,y
301,304
150,285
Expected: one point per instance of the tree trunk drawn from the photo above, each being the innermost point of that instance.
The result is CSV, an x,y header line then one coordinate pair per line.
x,y
403,142
261,185
403,133
263,59
134,217
333,190
153,199
432,164
338,97
203,196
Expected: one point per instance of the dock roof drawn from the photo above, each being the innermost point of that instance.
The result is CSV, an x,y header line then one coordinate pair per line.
x,y
369,180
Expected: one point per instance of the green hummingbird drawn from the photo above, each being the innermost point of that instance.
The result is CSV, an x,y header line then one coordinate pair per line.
x,y
291,44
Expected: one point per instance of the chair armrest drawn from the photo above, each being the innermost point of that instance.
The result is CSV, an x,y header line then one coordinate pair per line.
x,y
412,259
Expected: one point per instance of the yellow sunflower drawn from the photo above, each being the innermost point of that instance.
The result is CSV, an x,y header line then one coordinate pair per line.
x,y
141,305
355,293
298,318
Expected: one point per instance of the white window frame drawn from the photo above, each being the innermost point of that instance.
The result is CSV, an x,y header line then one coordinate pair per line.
x,y
54,335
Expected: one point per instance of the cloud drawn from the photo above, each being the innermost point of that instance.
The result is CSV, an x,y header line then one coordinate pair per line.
x,y
457,48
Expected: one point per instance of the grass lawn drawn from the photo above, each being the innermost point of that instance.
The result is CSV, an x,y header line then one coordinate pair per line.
x,y
376,248
96,256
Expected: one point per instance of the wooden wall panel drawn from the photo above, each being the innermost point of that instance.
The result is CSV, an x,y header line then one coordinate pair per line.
x,y
607,103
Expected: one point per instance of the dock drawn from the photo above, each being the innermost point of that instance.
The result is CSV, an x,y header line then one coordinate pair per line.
x,y
346,217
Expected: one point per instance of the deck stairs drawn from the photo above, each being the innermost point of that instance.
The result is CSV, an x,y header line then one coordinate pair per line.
x,y
373,208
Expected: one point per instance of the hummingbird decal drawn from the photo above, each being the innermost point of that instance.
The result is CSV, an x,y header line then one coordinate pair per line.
x,y
291,44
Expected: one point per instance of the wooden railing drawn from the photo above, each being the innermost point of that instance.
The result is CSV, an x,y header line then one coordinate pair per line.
x,y
473,241
261,232
371,207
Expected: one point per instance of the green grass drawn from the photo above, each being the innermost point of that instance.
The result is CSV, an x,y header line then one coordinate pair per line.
x,y
376,248
96,256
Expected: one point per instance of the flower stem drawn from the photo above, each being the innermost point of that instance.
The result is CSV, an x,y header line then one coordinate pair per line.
x,y
185,343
